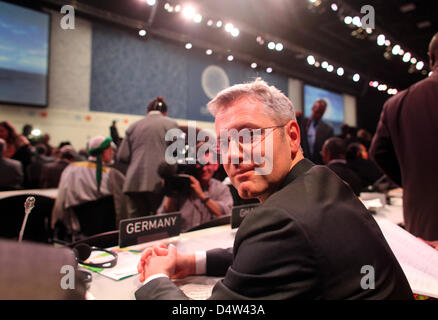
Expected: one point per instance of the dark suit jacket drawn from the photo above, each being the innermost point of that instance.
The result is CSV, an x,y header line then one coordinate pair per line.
x,y
323,132
143,148
51,173
367,171
406,148
348,175
308,240
11,174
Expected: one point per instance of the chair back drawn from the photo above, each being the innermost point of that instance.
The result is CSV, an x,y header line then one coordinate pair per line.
x,y
38,223
96,217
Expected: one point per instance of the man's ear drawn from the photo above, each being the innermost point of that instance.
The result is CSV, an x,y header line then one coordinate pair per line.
x,y
293,132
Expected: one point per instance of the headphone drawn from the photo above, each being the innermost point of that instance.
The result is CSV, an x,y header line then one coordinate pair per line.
x,y
83,251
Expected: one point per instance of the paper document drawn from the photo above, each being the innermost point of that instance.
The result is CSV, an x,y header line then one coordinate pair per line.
x,y
126,264
418,260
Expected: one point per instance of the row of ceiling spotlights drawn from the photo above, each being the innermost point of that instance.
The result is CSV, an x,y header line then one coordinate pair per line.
x,y
230,57
189,13
383,87
329,68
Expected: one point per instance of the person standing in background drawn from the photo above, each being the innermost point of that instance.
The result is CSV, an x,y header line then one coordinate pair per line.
x,y
315,132
405,147
143,149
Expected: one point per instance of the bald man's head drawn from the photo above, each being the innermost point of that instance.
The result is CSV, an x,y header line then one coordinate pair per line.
x,y
433,52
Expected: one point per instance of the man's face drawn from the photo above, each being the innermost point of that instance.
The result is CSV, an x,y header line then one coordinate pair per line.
x,y
248,113
207,171
318,109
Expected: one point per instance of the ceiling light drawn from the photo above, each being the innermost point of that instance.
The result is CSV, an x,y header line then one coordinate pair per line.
x,y
340,72
420,65
271,45
348,20
142,33
253,65
197,18
381,40
334,7
356,77
219,23
369,30
230,58
188,46
316,64
330,68
413,61
151,2
407,7
375,84
324,64
396,49
269,70
188,12
311,60
208,52
387,43
177,8
229,27
357,22
279,47
210,23
235,32
401,52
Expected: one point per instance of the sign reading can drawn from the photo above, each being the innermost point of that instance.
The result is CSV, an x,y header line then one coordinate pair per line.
x,y
150,228
240,212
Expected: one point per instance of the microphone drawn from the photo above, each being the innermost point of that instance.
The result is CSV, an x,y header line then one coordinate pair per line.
x,y
28,206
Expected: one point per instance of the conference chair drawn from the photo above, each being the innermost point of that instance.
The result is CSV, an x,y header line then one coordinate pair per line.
x,y
213,223
38,223
97,216
35,271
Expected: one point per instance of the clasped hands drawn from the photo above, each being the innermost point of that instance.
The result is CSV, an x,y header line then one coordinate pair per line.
x,y
165,260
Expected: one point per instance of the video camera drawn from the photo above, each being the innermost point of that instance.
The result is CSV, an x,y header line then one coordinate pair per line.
x,y
176,177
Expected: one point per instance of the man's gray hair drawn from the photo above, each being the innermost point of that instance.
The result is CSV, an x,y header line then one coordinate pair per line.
x,y
277,106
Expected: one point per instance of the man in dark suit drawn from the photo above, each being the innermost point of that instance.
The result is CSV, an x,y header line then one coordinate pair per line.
x,y
333,155
11,171
357,160
405,147
51,172
314,132
310,238
143,149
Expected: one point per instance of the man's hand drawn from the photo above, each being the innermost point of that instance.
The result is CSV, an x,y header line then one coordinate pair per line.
x,y
160,259
196,187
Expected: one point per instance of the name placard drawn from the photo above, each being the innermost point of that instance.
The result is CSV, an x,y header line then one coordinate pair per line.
x,y
150,228
238,213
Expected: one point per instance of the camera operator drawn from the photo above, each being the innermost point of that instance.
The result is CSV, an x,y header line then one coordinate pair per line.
x,y
209,198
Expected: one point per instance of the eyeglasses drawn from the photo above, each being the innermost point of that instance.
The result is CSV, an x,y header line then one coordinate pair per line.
x,y
245,138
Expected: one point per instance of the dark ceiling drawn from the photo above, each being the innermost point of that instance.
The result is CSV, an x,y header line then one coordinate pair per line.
x,y
304,28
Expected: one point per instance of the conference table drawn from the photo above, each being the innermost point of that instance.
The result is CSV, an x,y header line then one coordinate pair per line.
x,y
418,260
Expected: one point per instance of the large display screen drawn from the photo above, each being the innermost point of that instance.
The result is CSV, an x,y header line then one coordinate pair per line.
x,y
334,113
24,55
